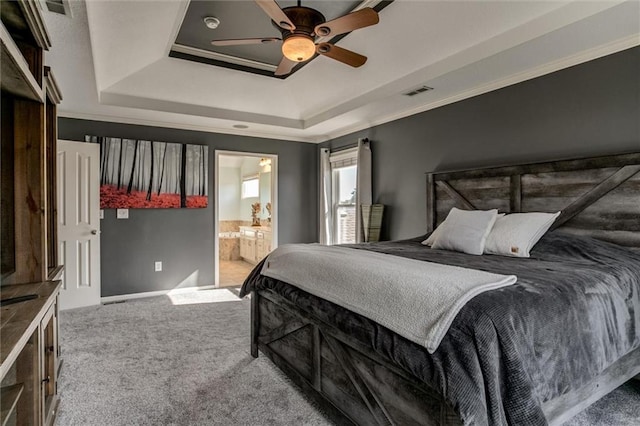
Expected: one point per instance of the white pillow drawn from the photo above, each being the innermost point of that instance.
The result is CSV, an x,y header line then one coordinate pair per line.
x,y
515,234
465,230
432,237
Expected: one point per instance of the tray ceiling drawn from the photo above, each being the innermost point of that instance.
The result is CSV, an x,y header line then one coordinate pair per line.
x,y
244,19
112,61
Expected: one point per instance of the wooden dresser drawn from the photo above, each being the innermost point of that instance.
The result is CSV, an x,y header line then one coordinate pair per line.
x,y
29,351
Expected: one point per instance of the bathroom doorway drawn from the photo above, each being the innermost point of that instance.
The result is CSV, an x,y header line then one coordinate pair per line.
x,y
245,223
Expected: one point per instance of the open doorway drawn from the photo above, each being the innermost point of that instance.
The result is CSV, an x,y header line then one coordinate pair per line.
x,y
245,213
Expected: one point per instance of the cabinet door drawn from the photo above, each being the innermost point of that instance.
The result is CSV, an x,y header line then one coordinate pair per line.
x,y
267,244
243,247
251,250
260,250
27,372
50,363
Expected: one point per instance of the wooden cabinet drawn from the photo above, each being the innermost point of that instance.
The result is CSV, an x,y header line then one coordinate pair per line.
x,y
259,249
255,243
49,361
263,245
246,247
28,227
29,355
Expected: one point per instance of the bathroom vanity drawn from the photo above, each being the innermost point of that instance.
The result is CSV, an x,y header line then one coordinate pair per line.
x,y
255,243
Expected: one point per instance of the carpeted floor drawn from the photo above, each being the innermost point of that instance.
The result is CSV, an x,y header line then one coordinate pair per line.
x,y
184,360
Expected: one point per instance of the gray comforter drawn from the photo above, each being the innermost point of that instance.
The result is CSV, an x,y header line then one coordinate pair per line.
x,y
573,312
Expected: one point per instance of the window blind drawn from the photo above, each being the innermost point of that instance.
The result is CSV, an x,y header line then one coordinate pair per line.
x,y
346,158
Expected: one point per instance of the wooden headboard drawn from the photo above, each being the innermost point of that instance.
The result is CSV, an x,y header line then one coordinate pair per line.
x,y
598,197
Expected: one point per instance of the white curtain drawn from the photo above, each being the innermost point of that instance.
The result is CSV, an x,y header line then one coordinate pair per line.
x,y
326,200
363,191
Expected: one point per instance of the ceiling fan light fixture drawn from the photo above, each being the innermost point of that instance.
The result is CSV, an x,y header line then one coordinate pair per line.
x,y
298,48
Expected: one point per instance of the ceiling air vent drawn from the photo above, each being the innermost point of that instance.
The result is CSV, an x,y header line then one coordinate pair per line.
x,y
58,6
420,89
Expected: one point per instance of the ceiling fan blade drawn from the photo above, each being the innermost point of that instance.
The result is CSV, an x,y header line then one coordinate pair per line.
x,y
285,66
240,41
344,24
339,54
272,9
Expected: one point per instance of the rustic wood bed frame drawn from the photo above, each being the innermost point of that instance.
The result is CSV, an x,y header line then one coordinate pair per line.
x,y
599,197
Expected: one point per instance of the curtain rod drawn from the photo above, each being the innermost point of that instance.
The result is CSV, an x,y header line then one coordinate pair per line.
x,y
350,146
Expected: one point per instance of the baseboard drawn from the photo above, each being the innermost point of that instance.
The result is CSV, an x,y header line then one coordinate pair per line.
x,y
124,297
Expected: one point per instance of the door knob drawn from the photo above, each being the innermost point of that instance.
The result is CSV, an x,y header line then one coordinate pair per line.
x,y
94,232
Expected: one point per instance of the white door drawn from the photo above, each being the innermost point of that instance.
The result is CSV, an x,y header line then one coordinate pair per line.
x,y
79,223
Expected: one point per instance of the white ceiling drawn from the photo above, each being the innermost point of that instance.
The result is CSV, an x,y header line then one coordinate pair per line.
x,y
111,61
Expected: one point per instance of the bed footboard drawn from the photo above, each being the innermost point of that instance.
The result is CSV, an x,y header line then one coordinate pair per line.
x,y
351,382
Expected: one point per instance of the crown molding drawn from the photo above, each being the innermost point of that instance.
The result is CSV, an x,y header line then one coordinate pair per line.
x,y
186,126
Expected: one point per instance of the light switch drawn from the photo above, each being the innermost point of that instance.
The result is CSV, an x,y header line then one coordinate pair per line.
x,y
101,214
122,213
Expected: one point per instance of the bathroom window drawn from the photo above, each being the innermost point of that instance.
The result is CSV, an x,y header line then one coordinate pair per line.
x,y
250,187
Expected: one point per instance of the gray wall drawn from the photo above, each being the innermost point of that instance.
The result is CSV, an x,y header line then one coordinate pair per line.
x,y
587,110
183,238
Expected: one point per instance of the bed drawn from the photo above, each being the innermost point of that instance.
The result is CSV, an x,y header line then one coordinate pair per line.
x,y
497,364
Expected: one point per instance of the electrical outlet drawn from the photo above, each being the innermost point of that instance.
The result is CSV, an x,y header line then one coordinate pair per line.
x,y
158,266
122,213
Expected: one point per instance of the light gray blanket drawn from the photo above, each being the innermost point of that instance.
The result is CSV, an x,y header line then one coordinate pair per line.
x,y
416,299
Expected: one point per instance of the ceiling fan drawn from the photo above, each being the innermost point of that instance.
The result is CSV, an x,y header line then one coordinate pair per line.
x,y
300,26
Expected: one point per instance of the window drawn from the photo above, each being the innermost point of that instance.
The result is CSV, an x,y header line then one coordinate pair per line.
x,y
250,187
345,185
344,171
